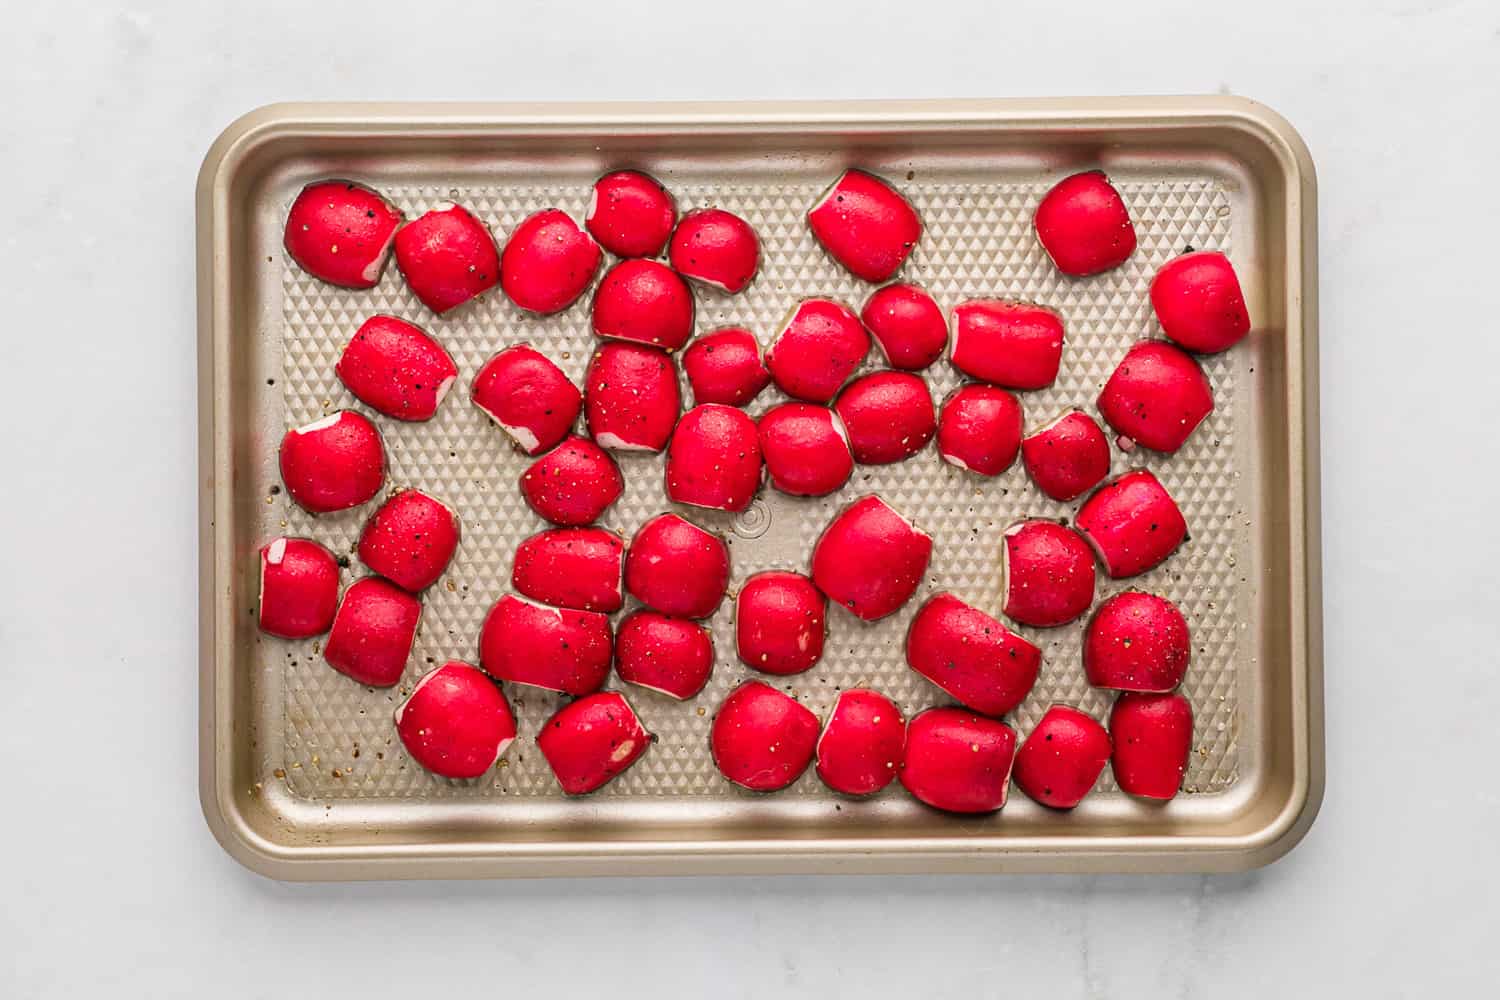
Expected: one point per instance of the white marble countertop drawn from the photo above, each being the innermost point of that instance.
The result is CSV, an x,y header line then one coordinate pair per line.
x,y
111,884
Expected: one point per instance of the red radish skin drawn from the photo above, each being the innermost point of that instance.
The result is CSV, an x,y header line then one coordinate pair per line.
x,y
528,397
396,369
677,568
573,484
860,747
870,559
866,225
979,429
818,348
580,568
887,415
341,232
644,302
1156,396
1068,457
590,742
1152,735
334,463
805,448
1137,642
373,631
1132,522
1012,344
958,761
456,723
299,588
1062,758
1049,574
447,257
631,214
1198,302
907,326
714,459
1084,226
716,247
410,539
673,656
548,262
762,739
556,649
971,656
631,401
725,367
780,622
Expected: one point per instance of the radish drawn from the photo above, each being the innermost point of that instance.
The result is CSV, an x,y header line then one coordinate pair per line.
x,y
456,723
333,463
1013,344
906,325
860,747
870,559
971,656
373,631
396,369
865,225
1062,758
780,621
1198,302
762,739
557,649
1048,571
979,429
1083,225
958,761
299,588
1132,522
725,367
447,257
887,416
671,655
341,232
1068,457
1156,396
717,248
590,741
1152,734
630,214
548,262
573,484
806,449
677,568
645,302
818,348
1137,642
714,458
410,540
631,400
579,568
528,397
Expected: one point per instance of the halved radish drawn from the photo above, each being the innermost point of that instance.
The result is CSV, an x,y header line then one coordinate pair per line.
x,y
548,262
299,588
674,656
557,649
456,723
725,367
645,302
572,568
780,621
887,415
396,368
971,656
573,484
762,739
866,225
1048,572
1062,758
805,448
410,539
1068,457
677,568
631,401
870,559
373,631
591,741
907,326
818,348
717,248
860,748
341,232
447,257
958,761
980,429
1152,735
714,458
1156,396
1013,344
528,397
333,463
1084,226
1132,522
1137,642
630,214
1198,302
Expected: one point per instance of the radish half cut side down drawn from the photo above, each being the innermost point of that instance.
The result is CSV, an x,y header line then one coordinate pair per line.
x,y
456,723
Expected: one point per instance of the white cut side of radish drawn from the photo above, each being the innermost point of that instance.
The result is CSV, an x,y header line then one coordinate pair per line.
x,y
322,424
442,389
523,436
612,441
276,552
